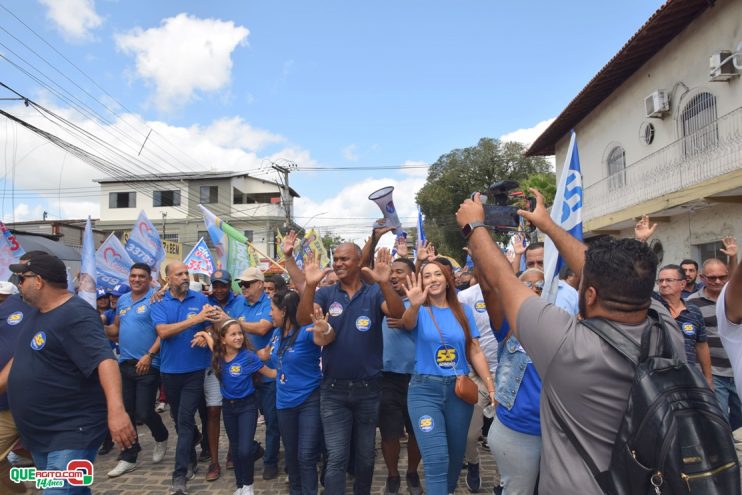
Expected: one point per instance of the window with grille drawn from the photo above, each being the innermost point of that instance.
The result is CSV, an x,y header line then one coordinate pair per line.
x,y
700,131
122,200
616,168
171,237
166,198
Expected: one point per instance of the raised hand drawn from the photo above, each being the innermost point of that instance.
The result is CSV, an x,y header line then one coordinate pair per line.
x,y
382,267
539,217
319,321
287,246
470,211
380,229
422,251
401,245
414,290
312,270
730,247
519,248
642,230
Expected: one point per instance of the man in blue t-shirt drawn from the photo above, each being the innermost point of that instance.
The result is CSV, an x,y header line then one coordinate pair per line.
x,y
351,357
257,323
139,362
177,318
62,337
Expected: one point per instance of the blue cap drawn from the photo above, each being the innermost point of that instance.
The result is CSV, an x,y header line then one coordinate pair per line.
x,y
120,289
222,276
101,293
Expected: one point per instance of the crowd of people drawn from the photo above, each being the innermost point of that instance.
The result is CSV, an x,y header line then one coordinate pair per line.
x,y
444,357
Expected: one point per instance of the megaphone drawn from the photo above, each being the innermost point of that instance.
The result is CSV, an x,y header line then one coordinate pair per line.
x,y
383,198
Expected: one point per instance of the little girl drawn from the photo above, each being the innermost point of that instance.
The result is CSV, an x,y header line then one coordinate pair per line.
x,y
235,363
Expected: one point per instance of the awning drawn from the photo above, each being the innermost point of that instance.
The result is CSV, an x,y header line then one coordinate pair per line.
x,y
30,242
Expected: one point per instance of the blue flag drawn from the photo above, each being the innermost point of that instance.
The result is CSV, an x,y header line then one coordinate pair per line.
x,y
144,245
567,213
199,260
420,229
88,274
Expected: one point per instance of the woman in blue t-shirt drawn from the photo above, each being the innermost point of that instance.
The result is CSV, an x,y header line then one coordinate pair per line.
x,y
296,358
515,435
234,364
445,335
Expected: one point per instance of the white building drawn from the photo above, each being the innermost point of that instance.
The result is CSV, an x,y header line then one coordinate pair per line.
x,y
254,206
659,131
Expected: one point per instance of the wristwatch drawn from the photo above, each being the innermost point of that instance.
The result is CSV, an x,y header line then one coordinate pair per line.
x,y
467,229
152,355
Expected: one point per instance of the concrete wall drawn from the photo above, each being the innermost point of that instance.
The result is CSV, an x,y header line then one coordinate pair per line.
x,y
617,120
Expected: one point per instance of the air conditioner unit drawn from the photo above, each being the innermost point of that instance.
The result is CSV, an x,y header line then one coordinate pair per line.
x,y
721,66
657,104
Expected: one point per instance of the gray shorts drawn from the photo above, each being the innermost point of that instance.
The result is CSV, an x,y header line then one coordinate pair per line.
x,y
212,389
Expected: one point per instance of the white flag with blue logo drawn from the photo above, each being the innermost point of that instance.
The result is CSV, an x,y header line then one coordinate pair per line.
x,y
86,289
567,213
144,245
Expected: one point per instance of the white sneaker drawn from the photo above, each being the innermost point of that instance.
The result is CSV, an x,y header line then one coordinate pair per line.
x,y
160,408
121,468
238,491
159,452
247,490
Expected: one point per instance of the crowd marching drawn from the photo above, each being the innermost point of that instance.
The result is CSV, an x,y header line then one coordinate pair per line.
x,y
444,357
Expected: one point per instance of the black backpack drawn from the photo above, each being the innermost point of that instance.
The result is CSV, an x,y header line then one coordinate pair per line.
x,y
673,438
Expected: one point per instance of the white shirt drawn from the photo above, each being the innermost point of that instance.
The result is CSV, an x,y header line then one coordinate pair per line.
x,y
473,298
731,339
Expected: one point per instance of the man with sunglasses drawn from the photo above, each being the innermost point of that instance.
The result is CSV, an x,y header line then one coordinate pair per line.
x,y
62,336
714,274
256,322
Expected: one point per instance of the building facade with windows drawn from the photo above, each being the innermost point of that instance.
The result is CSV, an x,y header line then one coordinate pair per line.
x,y
254,206
659,131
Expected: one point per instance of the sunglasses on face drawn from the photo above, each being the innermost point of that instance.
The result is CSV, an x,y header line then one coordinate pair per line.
x,y
246,285
21,278
716,278
534,285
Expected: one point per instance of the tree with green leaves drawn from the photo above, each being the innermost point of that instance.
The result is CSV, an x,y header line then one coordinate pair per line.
x,y
459,173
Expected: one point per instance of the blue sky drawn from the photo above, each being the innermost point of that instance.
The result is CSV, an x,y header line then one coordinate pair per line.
x,y
338,84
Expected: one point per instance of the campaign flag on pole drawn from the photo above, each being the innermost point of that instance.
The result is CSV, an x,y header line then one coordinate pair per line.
x,y
420,228
232,251
88,275
10,252
144,245
112,263
567,213
199,260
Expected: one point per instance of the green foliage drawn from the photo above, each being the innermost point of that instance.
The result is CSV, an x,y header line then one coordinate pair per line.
x,y
545,183
331,240
457,174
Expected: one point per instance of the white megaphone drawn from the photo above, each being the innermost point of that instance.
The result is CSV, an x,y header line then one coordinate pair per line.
x,y
383,198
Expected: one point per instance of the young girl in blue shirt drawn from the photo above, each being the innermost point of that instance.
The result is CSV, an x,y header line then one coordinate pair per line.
x,y
446,335
235,363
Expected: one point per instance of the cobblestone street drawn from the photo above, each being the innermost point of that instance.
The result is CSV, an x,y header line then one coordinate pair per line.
x,y
151,479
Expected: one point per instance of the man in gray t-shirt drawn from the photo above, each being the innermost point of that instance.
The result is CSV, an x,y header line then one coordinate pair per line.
x,y
585,379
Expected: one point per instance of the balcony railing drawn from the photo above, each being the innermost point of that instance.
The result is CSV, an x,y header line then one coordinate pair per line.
x,y
711,151
258,210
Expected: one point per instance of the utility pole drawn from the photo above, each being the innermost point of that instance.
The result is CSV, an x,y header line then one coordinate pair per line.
x,y
285,168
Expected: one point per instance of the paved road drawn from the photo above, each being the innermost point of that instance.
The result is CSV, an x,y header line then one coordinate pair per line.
x,y
150,479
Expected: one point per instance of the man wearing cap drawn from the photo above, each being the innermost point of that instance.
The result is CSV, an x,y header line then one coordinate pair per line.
x,y
139,362
65,418
177,317
257,323
230,306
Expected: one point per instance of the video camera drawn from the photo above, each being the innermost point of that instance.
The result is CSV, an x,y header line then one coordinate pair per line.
x,y
501,204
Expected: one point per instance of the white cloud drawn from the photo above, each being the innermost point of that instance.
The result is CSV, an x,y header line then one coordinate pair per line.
x,y
184,55
235,132
75,19
349,214
529,135
349,152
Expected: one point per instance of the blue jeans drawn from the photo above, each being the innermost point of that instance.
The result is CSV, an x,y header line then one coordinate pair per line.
x,y
57,460
240,421
184,392
441,422
729,401
349,410
266,394
517,455
301,429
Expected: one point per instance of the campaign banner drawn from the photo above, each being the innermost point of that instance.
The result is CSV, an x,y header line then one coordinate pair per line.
x,y
144,245
86,289
112,263
10,252
233,253
199,260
